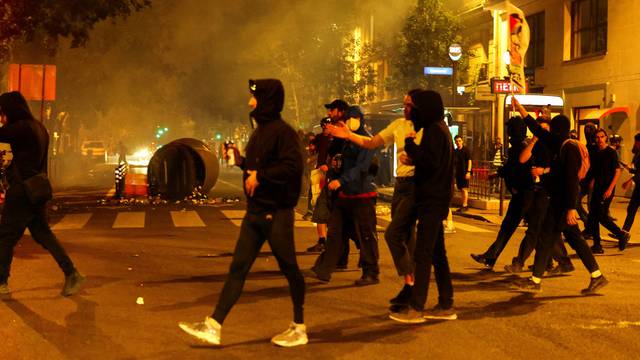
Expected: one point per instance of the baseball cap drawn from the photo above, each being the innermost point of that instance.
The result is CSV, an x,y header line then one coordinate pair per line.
x,y
337,104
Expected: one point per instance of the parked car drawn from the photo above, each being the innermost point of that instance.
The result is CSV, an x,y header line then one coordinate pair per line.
x,y
94,149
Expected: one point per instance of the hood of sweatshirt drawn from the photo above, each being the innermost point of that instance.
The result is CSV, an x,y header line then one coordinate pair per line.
x,y
427,108
356,112
517,130
14,106
270,96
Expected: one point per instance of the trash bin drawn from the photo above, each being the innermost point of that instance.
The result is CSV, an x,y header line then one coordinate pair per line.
x,y
179,167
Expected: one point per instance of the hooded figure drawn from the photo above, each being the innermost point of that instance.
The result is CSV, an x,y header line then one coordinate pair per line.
x,y
274,151
516,175
28,138
29,142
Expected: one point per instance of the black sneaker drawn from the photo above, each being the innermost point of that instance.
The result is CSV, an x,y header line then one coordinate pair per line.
x,y
440,313
403,296
72,283
597,250
4,289
587,235
595,284
317,248
623,240
367,280
309,273
480,259
342,267
566,267
408,315
527,285
515,267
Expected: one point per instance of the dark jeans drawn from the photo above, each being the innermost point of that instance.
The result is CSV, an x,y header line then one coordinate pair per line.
x,y
584,191
538,203
554,226
600,215
400,234
276,228
515,212
361,214
17,215
430,250
632,208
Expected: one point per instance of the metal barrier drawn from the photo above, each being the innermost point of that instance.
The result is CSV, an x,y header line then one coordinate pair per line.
x,y
484,183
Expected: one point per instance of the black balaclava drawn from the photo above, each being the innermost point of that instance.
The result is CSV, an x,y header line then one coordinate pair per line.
x,y
517,130
560,126
270,96
427,109
14,106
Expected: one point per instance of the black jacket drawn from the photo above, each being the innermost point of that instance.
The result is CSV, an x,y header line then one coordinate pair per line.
x,y
433,158
274,151
28,138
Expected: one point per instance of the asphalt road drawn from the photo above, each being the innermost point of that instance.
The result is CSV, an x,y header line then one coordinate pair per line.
x,y
176,257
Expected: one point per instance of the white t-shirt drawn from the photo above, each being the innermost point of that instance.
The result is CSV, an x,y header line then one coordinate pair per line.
x,y
396,133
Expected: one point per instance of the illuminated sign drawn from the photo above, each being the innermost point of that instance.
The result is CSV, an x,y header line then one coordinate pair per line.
x,y
447,71
505,87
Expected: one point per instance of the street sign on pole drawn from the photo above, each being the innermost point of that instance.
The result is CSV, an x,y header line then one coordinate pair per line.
x,y
446,71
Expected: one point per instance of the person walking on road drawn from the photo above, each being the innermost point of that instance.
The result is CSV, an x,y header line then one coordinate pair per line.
x,y
272,168
605,172
569,164
433,160
634,203
400,234
463,171
23,209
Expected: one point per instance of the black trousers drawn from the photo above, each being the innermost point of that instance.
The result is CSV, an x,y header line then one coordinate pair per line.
x,y
632,208
554,226
277,228
361,214
430,250
515,212
400,234
17,215
538,203
599,214
584,191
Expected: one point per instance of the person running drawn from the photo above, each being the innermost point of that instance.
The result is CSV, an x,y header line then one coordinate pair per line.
x,y
29,142
399,235
604,176
272,169
433,160
463,171
570,161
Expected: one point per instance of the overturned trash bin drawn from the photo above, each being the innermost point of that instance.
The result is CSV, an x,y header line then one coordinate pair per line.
x,y
181,166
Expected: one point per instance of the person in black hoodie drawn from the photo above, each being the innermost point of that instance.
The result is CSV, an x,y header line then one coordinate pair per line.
x,y
433,160
272,168
562,216
29,142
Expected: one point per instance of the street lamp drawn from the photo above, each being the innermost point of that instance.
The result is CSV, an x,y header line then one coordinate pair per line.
x,y
455,53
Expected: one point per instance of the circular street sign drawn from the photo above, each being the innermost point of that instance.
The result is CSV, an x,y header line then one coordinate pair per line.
x,y
455,52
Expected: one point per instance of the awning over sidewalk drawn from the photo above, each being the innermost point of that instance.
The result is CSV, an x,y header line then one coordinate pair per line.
x,y
599,114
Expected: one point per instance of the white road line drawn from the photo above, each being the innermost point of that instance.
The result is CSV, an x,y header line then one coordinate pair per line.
x,y
470,228
235,216
72,222
231,184
186,219
129,220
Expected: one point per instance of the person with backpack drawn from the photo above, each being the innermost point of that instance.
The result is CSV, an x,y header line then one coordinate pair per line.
x,y
604,175
23,207
570,164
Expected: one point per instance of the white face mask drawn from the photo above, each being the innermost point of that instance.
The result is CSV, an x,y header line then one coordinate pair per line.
x,y
353,124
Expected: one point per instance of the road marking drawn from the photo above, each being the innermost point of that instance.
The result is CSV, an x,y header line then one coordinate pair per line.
x,y
129,220
72,222
470,228
231,184
186,219
235,216
303,223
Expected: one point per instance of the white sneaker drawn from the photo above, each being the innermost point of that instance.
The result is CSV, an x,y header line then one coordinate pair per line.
x,y
208,331
295,335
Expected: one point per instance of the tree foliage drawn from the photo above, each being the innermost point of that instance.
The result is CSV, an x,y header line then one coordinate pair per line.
x,y
425,38
47,21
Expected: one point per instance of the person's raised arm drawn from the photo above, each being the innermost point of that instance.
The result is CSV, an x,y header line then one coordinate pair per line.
x,y
342,131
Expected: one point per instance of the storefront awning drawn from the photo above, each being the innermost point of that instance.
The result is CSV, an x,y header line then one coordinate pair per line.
x,y
599,114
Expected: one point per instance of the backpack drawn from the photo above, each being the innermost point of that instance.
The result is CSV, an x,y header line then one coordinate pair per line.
x,y
584,155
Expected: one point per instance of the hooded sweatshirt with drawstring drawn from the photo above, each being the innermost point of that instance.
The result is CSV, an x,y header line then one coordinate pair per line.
x,y
28,138
273,150
433,158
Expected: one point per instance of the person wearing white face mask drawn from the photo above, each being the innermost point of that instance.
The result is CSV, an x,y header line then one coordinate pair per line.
x,y
354,207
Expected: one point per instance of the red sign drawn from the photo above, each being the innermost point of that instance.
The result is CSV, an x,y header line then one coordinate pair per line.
x,y
35,82
505,87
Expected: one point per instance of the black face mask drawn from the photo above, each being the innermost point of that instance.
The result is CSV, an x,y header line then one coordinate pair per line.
x,y
414,116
